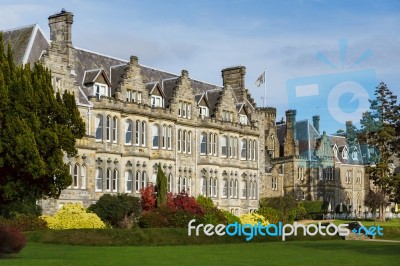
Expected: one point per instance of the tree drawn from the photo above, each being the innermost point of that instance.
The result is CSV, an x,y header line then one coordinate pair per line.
x,y
380,129
374,200
162,184
37,127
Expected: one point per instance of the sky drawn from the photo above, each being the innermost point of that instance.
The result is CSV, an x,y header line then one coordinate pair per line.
x,y
320,57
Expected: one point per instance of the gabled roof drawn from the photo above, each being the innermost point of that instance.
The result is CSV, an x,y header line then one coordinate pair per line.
x,y
27,43
90,76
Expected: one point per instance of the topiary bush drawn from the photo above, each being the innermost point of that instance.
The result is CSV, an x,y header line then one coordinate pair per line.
x,y
11,240
117,210
73,216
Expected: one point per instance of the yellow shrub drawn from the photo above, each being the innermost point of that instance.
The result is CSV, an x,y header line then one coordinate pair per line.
x,y
73,216
253,218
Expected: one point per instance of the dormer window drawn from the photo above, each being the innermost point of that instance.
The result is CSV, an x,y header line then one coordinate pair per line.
x,y
156,101
345,153
354,155
203,111
335,150
243,119
99,90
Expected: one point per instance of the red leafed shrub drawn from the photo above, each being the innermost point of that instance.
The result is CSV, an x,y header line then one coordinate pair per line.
x,y
183,201
148,199
11,240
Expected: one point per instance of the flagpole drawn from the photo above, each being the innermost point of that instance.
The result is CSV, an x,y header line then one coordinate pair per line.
x,y
265,86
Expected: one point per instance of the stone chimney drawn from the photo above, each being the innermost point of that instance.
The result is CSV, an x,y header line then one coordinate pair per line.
x,y
290,139
315,121
234,77
61,28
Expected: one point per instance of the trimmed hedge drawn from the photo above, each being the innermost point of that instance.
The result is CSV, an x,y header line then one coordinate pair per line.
x,y
24,223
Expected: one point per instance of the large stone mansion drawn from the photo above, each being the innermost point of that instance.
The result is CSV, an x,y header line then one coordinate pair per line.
x,y
209,139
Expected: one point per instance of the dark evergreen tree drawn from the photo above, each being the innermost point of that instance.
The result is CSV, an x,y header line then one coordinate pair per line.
x,y
380,129
36,127
162,184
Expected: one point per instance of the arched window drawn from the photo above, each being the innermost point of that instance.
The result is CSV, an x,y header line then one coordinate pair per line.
x,y
184,135
189,142
169,183
235,189
203,186
115,129
184,184
251,189
83,177
108,128
108,180
75,179
180,187
169,137
203,143
143,137
128,181
224,147
155,132
164,137
254,189
137,132
231,188
128,131
215,144
230,147
99,127
114,186
244,189
215,187
210,143
254,150
144,179
235,147
189,186
224,188
210,183
179,140
243,155
137,181
99,179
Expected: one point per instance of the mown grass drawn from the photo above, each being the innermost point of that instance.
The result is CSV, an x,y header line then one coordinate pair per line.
x,y
270,253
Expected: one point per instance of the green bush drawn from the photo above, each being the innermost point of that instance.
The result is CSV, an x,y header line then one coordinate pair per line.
x,y
231,218
312,210
212,215
167,217
286,206
117,210
25,223
26,207
270,214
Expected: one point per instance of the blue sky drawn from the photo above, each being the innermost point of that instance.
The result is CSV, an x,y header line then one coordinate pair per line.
x,y
284,37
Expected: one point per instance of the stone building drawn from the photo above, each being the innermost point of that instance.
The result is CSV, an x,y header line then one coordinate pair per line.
x,y
208,138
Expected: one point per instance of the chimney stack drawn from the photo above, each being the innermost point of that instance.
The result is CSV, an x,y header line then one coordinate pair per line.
x,y
234,77
315,120
289,146
61,27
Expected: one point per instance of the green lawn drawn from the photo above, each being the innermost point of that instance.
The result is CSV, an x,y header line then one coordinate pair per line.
x,y
277,253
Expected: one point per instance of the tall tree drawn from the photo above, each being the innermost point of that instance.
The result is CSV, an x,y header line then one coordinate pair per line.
x,y
36,127
162,184
380,128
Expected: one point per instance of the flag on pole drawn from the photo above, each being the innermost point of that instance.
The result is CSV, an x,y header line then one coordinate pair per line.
x,y
260,80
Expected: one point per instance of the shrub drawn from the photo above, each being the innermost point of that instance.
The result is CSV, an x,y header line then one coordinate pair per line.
x,y
312,209
11,240
270,214
26,207
73,216
253,218
148,199
231,218
183,201
167,217
117,210
212,215
25,223
285,205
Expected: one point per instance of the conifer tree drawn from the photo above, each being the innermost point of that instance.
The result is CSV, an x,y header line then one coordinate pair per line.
x,y
161,187
37,127
380,128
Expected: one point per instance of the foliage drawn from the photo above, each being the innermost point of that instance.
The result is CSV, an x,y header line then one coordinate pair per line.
x,y
253,219
73,216
148,200
231,218
167,217
344,208
26,206
11,240
312,209
374,199
183,201
270,214
381,129
36,127
162,188
285,205
212,215
24,223
117,210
